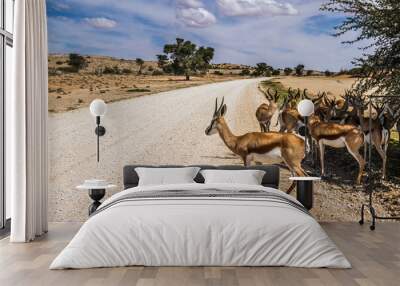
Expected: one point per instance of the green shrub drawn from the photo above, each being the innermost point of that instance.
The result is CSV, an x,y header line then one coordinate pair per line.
x,y
245,72
276,72
68,69
288,71
77,62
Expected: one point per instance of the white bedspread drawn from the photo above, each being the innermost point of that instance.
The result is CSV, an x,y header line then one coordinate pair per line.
x,y
200,231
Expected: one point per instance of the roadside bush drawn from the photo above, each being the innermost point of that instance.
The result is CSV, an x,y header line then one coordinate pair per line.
x,y
112,70
288,71
328,73
139,90
245,72
59,62
276,72
77,62
126,71
218,73
158,72
68,69
299,69
309,72
52,71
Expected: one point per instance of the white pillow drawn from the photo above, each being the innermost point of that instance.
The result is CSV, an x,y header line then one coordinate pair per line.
x,y
165,176
247,177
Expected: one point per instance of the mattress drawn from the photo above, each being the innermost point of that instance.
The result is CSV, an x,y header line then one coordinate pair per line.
x,y
201,225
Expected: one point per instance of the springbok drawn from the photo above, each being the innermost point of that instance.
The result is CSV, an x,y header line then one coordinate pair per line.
x,y
265,111
337,136
257,146
380,131
289,118
379,136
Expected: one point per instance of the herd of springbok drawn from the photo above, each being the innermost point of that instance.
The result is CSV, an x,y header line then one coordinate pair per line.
x,y
337,122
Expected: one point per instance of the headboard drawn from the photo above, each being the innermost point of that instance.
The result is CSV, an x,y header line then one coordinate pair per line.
x,y
270,179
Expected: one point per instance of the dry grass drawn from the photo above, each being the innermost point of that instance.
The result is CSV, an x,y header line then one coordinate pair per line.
x,y
335,85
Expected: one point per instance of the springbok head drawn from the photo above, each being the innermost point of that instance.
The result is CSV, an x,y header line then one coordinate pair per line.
x,y
292,98
272,97
219,113
341,112
358,102
315,100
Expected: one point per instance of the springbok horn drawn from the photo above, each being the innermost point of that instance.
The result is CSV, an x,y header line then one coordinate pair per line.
x,y
216,106
325,99
305,94
270,97
387,107
290,92
284,103
276,95
222,104
316,99
342,110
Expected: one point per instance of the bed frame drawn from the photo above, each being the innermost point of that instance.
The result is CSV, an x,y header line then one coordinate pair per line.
x,y
270,179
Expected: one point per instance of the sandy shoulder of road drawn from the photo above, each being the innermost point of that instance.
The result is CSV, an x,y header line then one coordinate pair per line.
x,y
76,90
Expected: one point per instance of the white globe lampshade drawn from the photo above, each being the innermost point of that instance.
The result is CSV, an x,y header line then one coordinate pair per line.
x,y
98,107
305,107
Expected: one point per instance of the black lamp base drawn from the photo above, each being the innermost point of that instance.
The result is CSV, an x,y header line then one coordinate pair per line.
x,y
100,130
96,195
304,193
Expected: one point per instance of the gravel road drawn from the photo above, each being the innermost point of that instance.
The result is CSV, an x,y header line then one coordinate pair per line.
x,y
164,128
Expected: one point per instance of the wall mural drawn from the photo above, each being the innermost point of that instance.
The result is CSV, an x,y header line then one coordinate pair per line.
x,y
183,79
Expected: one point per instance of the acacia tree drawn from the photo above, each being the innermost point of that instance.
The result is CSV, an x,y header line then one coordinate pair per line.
x,y
140,63
183,57
77,62
299,69
376,22
263,69
288,71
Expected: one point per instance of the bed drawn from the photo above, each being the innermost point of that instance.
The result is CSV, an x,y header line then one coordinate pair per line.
x,y
198,224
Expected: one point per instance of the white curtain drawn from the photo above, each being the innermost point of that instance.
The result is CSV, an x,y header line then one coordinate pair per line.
x,y
27,123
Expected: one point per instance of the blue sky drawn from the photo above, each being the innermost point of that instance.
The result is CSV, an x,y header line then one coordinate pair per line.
x,y
279,32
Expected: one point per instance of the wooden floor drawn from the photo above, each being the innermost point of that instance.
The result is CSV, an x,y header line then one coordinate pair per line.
x,y
375,257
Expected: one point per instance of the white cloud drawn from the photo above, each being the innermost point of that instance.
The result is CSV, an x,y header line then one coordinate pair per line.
x,y
255,8
195,17
280,41
102,23
189,3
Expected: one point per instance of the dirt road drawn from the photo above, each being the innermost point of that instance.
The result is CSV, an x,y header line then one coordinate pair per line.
x,y
165,128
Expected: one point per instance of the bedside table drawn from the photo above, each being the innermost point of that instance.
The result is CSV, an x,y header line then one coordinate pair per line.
x,y
96,193
304,192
